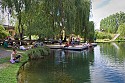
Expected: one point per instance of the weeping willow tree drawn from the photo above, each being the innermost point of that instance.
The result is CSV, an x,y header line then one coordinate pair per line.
x,y
16,7
82,17
72,16
38,22
49,17
91,33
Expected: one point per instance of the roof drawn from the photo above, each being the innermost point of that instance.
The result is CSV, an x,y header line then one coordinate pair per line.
x,y
8,27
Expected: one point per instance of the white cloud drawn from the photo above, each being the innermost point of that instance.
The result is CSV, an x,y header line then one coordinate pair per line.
x,y
110,8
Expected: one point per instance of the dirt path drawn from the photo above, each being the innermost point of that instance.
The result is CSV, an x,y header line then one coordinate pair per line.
x,y
4,53
4,65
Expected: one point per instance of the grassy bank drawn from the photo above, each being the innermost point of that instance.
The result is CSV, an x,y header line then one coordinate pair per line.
x,y
8,71
107,40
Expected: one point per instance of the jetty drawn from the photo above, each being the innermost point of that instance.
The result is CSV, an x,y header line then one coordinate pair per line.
x,y
75,47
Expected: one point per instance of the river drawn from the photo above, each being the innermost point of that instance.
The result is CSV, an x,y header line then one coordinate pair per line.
x,y
104,63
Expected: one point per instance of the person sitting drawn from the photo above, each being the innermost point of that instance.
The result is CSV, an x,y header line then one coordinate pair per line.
x,y
38,44
14,57
67,44
23,48
73,42
5,44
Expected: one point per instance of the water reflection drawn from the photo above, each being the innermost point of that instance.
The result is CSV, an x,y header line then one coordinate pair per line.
x,y
109,67
60,57
102,64
61,67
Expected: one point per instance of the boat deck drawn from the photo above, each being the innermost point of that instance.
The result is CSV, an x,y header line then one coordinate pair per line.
x,y
76,47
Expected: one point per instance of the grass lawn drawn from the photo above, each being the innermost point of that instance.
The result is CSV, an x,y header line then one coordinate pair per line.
x,y
8,71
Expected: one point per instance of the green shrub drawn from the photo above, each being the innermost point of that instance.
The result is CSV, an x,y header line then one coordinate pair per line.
x,y
3,32
102,35
37,53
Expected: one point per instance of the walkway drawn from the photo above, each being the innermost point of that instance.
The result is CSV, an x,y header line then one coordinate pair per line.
x,y
4,53
116,36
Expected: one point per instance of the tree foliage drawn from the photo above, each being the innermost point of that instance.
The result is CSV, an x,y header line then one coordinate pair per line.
x,y
112,22
121,29
47,18
91,32
3,32
16,6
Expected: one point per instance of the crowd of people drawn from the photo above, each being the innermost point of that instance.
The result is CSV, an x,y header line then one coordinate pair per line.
x,y
72,42
16,58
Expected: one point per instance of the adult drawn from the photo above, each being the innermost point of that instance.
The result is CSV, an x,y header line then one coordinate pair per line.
x,y
14,57
60,41
23,48
67,44
78,40
6,44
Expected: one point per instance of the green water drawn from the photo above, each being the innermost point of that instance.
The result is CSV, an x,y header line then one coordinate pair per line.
x,y
104,63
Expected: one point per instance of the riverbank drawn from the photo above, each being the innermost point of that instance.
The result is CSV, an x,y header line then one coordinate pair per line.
x,y
107,41
8,71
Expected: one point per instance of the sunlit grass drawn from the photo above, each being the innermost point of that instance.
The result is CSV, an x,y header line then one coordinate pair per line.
x,y
8,72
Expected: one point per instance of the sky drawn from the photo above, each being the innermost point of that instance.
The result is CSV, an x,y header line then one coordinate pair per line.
x,y
103,8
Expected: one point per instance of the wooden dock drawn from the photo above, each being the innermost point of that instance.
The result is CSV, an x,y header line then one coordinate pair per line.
x,y
55,46
75,48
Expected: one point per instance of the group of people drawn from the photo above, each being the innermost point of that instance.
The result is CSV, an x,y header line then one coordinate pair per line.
x,y
72,42
15,57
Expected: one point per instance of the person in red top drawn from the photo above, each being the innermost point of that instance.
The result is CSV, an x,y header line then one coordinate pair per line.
x,y
67,44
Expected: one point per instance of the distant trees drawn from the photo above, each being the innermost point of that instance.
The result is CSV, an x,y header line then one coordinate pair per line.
x,y
103,35
121,29
112,22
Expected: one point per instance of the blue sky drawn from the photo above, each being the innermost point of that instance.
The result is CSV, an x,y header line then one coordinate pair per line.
x,y
102,3
104,8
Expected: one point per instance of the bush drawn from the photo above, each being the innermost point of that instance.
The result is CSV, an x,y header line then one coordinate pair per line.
x,y
102,35
3,32
38,53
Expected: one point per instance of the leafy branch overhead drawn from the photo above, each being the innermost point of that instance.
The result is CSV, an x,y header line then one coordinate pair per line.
x,y
50,17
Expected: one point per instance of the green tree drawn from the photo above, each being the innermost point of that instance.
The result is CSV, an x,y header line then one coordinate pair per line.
x,y
111,23
121,29
15,7
3,32
49,17
91,32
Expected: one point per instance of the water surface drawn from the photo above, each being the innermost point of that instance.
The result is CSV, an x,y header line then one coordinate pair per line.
x,y
104,63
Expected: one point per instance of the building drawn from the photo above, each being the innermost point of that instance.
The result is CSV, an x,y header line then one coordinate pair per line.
x,y
10,29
